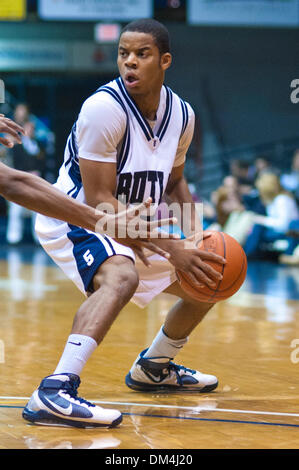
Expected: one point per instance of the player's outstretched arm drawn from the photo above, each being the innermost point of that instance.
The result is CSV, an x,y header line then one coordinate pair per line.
x,y
35,193
38,195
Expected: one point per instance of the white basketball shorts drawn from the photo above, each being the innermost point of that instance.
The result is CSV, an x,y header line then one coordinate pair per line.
x,y
79,253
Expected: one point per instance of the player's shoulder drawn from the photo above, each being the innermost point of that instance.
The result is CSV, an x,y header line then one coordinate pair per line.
x,y
101,103
183,105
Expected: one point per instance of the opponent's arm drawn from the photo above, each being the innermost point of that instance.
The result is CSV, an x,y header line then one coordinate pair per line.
x,y
35,193
38,195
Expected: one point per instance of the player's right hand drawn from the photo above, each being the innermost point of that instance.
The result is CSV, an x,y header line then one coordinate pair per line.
x,y
190,258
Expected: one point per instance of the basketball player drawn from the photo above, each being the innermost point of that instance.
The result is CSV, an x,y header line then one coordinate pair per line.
x,y
38,195
129,141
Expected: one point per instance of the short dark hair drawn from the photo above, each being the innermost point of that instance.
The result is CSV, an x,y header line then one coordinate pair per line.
x,y
153,27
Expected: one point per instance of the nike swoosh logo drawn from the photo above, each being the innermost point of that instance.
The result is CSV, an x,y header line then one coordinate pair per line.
x,y
76,344
153,377
66,411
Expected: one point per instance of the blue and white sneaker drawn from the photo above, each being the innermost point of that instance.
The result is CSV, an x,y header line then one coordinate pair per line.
x,y
159,374
55,403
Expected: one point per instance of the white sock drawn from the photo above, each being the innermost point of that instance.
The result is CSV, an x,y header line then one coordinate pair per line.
x,y
162,346
77,351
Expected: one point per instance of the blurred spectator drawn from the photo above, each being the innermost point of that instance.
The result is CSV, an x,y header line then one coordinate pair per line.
x,y
247,173
209,215
290,181
262,165
291,255
233,217
21,114
227,199
28,156
244,174
43,135
281,210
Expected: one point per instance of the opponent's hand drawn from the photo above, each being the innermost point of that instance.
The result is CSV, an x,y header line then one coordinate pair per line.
x,y
190,257
139,247
8,126
130,229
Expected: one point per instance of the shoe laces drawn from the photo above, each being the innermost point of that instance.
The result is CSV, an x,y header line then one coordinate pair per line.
x,y
71,389
177,368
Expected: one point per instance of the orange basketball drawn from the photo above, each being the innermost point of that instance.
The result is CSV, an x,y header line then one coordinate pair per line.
x,y
233,272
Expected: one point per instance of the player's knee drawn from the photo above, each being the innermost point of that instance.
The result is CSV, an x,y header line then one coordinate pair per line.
x,y
127,281
120,276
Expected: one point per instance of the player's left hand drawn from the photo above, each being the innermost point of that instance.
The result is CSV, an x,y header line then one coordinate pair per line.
x,y
8,126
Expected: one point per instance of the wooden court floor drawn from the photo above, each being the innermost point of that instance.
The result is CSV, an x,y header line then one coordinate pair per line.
x,y
249,342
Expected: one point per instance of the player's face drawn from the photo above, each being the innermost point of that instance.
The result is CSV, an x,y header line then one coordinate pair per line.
x,y
140,63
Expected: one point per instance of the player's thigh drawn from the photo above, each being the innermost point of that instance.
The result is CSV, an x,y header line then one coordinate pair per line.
x,y
117,271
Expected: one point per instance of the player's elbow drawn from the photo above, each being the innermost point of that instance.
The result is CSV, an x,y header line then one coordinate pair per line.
x,y
6,175
11,182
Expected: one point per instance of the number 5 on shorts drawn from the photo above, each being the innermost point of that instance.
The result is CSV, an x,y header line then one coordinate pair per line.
x,y
88,258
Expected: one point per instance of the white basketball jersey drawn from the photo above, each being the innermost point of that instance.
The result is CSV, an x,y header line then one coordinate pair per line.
x,y
110,128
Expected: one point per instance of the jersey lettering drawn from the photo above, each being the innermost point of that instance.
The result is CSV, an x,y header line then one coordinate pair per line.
x,y
131,187
124,185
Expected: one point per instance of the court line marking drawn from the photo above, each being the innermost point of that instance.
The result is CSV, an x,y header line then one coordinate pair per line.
x,y
199,409
219,420
264,423
187,408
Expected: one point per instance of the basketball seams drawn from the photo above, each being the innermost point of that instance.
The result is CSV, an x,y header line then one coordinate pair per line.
x,y
224,256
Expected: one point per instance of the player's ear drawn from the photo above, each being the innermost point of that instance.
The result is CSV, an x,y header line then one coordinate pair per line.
x,y
166,60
